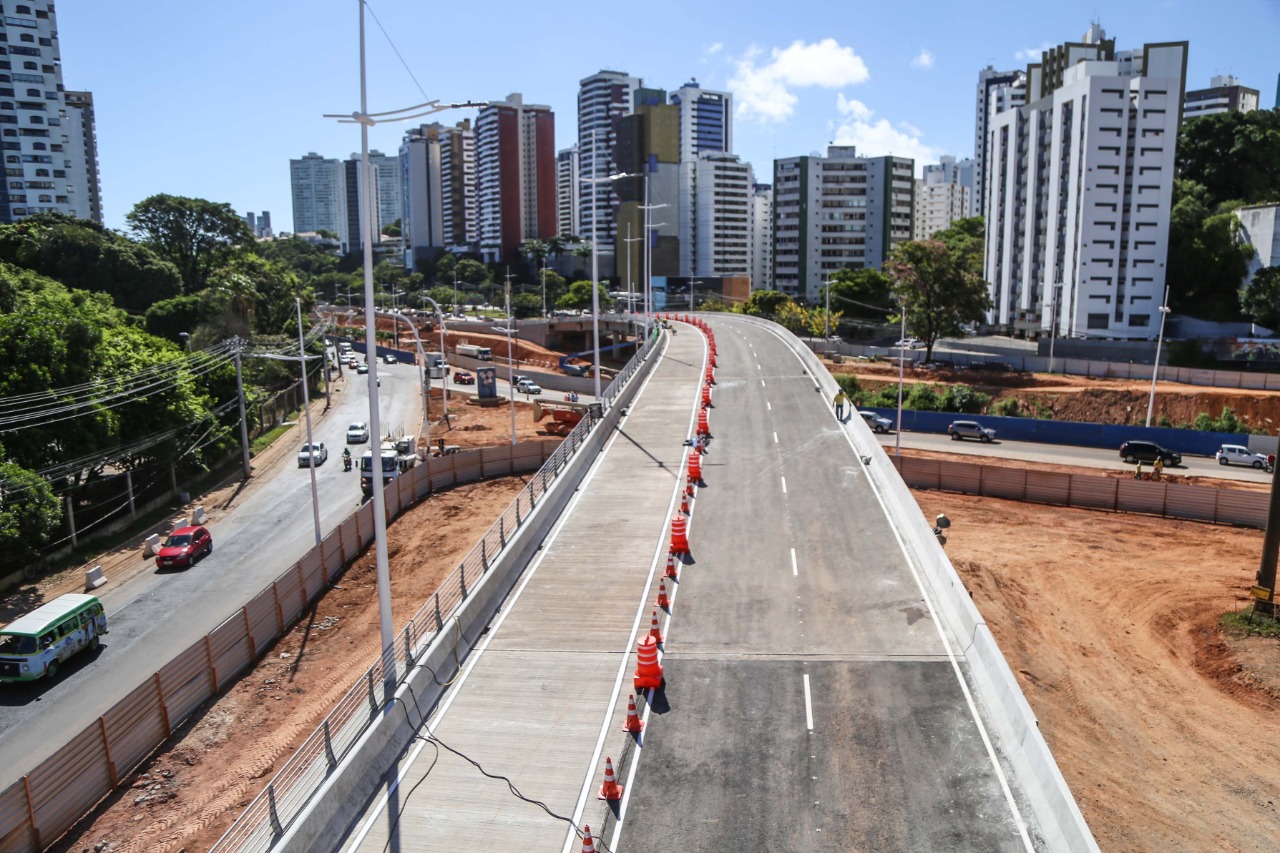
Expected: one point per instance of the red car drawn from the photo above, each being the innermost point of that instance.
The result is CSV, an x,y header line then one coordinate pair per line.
x,y
463,378
183,547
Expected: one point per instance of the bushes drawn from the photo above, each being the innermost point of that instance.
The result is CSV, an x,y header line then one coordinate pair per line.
x,y
1008,408
926,398
849,384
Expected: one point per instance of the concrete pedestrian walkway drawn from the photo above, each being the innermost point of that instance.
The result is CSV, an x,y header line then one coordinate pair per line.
x,y
542,702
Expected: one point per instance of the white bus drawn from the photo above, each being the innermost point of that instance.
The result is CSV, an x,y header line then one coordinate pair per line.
x,y
33,646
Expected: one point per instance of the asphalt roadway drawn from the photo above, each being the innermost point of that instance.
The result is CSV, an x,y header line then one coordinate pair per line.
x,y
158,614
811,698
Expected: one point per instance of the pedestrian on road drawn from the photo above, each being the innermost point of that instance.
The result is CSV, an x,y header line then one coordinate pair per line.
x,y
1137,472
1157,469
840,402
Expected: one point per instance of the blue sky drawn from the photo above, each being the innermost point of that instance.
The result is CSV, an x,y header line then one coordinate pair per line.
x,y
212,99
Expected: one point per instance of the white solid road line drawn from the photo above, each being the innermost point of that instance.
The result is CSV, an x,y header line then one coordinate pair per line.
x,y
784,485
762,385
795,572
946,644
768,405
775,438
808,705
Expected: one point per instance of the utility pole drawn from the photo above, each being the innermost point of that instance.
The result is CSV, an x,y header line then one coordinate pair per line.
x,y
511,360
306,411
244,426
827,289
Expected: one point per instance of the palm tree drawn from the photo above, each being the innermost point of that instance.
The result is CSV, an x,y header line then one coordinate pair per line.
x,y
534,250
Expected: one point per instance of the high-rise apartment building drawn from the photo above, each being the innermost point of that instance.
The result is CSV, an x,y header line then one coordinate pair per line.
x,y
81,123
997,92
1079,189
49,150
259,226
515,176
939,203
648,146
319,191
705,127
762,237
603,99
388,187
567,192
836,212
719,227
437,167
1224,95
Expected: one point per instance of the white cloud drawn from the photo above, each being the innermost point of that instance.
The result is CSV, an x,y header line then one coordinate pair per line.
x,y
715,48
1032,54
879,137
765,90
924,59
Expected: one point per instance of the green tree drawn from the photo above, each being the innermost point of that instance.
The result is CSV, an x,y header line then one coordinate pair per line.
x,y
85,256
445,268
308,260
578,297
535,250
525,305
966,241
940,293
472,272
555,285
765,303
1260,301
196,235
29,513
1233,155
1206,261
169,317
792,317
392,229
864,293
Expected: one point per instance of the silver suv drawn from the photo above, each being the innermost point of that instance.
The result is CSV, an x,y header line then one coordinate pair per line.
x,y
970,429
876,422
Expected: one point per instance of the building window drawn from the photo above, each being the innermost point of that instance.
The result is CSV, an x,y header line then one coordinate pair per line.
x,y
1098,321
31,66
1140,320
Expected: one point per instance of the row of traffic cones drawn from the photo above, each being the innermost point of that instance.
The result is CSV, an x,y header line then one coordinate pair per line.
x,y
649,673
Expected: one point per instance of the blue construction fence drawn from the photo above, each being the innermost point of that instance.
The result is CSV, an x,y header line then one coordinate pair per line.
x,y
1109,436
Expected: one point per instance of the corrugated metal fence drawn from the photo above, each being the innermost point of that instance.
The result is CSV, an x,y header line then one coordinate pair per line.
x,y
45,803
1169,499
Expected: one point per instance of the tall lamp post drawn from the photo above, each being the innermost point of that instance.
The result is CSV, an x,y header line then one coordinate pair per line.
x,y
902,360
1155,369
306,409
648,251
366,120
595,257
630,302
1053,325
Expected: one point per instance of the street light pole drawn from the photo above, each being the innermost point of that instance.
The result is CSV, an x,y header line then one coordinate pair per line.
x,y
511,361
1155,369
244,426
306,410
827,289
1053,325
902,360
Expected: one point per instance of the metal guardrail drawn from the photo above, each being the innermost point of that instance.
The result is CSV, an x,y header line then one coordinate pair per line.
x,y
272,812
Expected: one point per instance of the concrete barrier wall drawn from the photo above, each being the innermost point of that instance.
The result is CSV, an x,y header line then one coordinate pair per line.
x,y
1005,709
363,774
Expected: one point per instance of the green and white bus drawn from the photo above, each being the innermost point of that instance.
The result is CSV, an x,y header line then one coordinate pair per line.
x,y
33,646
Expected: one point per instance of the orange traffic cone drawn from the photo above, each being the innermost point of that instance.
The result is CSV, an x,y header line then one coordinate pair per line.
x,y
663,601
706,395
588,843
610,790
704,423
654,630
633,724
711,359
679,535
671,567
695,466
688,489
648,669
684,504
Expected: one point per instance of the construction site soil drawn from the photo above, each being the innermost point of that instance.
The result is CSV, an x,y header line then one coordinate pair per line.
x,y
1079,398
1162,722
